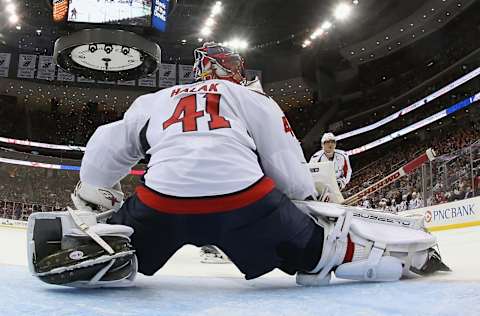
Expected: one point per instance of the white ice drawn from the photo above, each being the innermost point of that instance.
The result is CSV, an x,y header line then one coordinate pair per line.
x,y
187,287
99,11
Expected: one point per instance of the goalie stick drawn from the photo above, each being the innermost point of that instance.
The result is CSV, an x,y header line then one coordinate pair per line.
x,y
429,155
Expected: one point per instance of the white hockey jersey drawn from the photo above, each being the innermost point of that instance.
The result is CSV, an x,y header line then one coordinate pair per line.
x,y
204,139
343,170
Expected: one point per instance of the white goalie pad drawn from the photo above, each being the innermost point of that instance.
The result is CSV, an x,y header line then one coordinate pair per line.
x,y
323,174
386,246
336,210
58,247
398,232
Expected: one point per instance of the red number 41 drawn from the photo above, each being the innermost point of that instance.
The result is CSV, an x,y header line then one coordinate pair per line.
x,y
187,114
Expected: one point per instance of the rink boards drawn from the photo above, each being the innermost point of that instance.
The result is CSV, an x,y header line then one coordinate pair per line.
x,y
458,214
448,216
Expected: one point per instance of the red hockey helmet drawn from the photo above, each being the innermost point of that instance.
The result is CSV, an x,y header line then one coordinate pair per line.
x,y
213,61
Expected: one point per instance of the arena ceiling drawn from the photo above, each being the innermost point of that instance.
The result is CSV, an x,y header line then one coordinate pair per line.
x,y
266,24
274,29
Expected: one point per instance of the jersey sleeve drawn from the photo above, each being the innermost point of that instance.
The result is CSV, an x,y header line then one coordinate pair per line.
x,y
280,153
114,148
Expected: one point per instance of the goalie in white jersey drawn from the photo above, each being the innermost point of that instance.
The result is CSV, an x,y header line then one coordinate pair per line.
x,y
329,152
223,167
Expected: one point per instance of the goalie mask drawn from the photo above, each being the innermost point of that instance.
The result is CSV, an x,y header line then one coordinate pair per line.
x,y
213,61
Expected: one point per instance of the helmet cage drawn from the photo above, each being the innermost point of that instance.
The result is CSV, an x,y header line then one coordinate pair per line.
x,y
218,62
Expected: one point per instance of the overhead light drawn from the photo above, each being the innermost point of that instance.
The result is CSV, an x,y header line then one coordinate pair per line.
x,y
217,8
18,27
342,11
200,39
317,33
243,45
355,2
13,19
210,22
10,8
184,41
326,25
206,31
236,44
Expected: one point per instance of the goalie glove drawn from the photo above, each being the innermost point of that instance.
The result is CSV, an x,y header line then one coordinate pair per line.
x,y
87,197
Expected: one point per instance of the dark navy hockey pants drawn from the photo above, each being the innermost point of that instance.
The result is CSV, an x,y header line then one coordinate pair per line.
x,y
266,234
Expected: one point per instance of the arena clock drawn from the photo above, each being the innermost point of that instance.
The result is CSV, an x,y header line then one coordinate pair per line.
x,y
107,54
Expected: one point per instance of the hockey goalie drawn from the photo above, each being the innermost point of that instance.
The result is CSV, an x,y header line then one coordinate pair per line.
x,y
224,169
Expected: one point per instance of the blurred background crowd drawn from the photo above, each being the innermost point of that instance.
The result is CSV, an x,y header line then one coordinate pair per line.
x,y
349,78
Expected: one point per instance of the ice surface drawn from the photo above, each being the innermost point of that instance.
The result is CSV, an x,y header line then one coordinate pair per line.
x,y
186,287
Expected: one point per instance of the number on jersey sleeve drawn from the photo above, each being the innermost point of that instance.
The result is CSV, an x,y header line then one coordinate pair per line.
x,y
286,126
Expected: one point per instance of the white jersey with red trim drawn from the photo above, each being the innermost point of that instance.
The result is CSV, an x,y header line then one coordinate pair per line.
x,y
204,139
343,170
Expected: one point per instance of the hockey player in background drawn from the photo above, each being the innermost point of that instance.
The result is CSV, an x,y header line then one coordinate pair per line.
x,y
223,169
329,152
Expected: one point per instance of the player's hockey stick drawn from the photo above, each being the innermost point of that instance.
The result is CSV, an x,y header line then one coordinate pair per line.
x,y
429,155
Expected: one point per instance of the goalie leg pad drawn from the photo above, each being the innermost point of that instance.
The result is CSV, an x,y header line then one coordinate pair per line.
x,y
369,246
62,254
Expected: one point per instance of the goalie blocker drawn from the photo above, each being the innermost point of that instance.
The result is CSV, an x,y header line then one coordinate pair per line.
x,y
72,249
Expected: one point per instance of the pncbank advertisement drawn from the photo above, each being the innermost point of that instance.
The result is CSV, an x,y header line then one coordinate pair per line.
x,y
457,214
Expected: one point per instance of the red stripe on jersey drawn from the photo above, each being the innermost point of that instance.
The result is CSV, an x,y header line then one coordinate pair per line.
x,y
205,205
345,167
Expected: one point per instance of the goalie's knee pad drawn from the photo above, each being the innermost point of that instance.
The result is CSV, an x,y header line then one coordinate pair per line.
x,y
78,252
369,246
